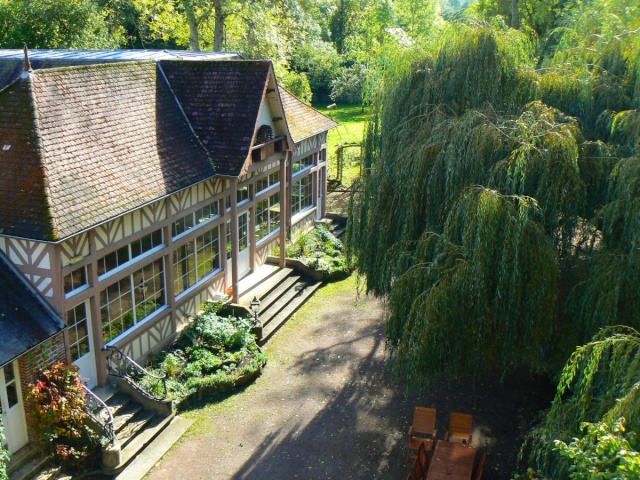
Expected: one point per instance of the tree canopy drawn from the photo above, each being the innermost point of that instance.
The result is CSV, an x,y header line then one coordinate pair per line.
x,y
499,211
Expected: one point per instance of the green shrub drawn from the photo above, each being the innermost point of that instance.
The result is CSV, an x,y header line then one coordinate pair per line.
x,y
321,250
4,454
208,358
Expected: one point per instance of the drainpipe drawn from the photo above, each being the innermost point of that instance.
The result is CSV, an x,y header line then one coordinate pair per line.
x,y
284,209
235,247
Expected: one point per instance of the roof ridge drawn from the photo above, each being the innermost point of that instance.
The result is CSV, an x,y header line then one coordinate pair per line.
x,y
40,154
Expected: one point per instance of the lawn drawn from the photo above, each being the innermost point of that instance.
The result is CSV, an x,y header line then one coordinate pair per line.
x,y
353,122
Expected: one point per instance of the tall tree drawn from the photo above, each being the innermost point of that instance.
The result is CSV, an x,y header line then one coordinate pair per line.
x,y
56,24
475,280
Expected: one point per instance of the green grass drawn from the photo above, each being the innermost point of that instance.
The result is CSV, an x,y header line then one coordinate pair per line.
x,y
351,130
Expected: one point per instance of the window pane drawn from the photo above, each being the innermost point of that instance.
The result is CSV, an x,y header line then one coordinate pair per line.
x,y
12,395
9,374
75,279
116,309
184,272
149,289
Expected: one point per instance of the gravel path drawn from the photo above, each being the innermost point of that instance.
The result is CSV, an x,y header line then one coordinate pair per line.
x,y
325,408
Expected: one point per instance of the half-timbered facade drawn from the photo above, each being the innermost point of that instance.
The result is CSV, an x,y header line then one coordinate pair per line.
x,y
132,192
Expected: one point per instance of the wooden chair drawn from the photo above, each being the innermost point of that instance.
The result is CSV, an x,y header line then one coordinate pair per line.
x,y
460,425
480,466
423,430
416,472
423,459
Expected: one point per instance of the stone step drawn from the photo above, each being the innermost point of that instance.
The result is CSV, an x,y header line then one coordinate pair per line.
x,y
160,445
268,302
281,298
134,425
269,330
255,279
267,285
140,441
25,463
124,416
118,402
49,473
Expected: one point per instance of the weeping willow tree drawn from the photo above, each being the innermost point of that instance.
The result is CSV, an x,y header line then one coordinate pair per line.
x,y
499,208
594,414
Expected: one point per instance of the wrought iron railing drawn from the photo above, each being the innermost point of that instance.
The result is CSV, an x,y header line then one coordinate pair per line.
x,y
121,366
100,413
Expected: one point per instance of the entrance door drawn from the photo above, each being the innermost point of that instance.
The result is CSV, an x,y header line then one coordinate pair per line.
x,y
81,343
243,245
15,427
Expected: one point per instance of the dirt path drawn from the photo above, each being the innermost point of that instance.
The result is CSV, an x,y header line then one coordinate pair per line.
x,y
325,408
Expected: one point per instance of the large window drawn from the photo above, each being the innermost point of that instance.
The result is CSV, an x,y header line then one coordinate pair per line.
x,y
126,302
194,219
268,181
301,195
302,163
195,260
127,253
267,216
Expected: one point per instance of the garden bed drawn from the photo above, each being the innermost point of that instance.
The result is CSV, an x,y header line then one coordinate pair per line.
x,y
215,354
318,254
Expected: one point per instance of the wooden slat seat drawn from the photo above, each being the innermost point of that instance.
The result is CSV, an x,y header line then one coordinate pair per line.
x,y
460,426
423,430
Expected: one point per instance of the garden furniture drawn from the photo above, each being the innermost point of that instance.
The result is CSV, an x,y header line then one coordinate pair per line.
x,y
423,430
460,425
451,461
480,466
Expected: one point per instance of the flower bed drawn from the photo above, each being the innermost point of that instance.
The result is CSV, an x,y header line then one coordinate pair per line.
x,y
213,355
321,251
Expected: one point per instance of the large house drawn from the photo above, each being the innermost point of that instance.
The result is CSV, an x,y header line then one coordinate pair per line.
x,y
134,186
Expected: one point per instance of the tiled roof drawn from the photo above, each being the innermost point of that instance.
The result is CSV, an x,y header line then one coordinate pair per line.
x,y
25,320
11,60
108,138
303,120
222,101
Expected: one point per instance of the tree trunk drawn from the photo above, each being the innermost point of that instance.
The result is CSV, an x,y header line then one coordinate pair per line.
x,y
194,37
515,15
218,29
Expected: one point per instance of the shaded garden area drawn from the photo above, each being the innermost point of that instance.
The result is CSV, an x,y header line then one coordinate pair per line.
x,y
327,407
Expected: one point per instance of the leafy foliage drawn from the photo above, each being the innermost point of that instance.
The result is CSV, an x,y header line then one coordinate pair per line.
x,y
599,385
4,454
56,24
58,419
321,250
212,353
502,228
603,452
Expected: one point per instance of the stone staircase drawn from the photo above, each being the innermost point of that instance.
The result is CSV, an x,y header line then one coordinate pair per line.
x,y
337,224
143,435
136,423
281,292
